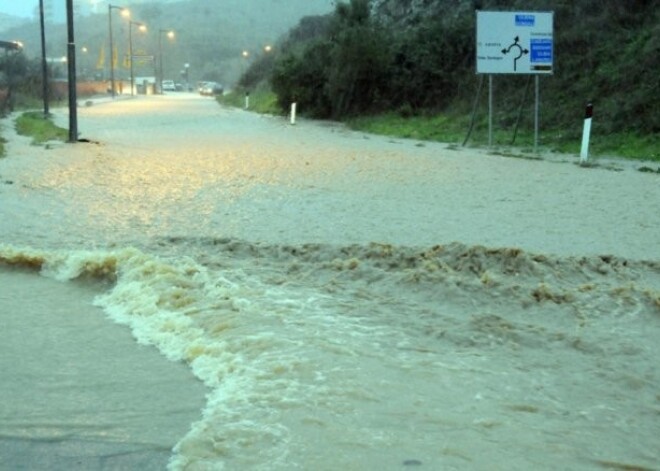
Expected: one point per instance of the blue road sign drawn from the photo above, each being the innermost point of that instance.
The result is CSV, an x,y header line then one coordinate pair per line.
x,y
525,20
540,51
518,42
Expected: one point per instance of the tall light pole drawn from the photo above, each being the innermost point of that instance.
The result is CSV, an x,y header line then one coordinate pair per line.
x,y
170,34
44,64
142,27
246,57
125,13
83,69
71,59
186,73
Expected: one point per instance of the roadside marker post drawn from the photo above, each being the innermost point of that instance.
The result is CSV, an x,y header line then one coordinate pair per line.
x,y
294,105
247,100
586,132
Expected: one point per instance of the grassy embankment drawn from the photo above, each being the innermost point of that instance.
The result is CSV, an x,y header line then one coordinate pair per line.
x,y
41,129
452,128
261,101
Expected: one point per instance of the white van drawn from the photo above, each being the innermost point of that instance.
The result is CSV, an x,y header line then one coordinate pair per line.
x,y
169,86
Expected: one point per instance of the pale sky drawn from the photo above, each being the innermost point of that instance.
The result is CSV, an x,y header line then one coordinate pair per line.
x,y
22,8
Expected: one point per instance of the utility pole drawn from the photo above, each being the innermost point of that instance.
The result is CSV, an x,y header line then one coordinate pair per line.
x,y
71,59
44,64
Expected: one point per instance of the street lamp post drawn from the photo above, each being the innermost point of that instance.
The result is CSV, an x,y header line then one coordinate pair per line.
x,y
142,27
186,73
246,56
124,12
44,65
170,34
71,59
83,69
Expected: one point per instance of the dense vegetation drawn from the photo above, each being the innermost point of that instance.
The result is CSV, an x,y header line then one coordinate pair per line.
x,y
18,75
362,60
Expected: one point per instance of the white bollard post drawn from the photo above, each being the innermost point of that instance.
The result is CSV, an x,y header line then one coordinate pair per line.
x,y
293,112
584,152
247,100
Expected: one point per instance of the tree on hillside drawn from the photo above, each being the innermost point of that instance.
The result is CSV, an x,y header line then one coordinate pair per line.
x,y
301,78
429,61
360,57
16,74
342,72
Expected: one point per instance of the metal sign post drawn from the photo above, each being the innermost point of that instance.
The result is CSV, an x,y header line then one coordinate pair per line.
x,y
515,43
490,110
537,111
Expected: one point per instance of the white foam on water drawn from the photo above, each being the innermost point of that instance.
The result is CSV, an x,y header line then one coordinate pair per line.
x,y
371,357
77,391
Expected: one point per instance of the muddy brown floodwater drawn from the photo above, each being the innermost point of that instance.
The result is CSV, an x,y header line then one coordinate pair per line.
x,y
316,298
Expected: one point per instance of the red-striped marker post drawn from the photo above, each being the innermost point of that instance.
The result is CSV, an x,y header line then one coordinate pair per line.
x,y
586,132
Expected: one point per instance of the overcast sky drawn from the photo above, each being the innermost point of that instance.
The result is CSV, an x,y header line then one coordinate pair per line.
x,y
18,7
26,8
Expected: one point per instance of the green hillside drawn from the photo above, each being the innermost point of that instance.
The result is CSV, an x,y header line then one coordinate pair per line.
x,y
406,61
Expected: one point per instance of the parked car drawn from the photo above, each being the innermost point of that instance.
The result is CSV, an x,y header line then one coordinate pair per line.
x,y
211,89
169,86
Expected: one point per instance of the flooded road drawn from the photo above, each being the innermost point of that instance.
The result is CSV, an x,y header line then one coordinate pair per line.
x,y
327,299
184,166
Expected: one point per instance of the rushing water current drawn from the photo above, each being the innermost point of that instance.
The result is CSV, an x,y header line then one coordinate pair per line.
x,y
310,298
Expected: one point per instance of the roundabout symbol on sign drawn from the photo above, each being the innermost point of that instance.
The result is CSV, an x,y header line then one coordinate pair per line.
x,y
521,51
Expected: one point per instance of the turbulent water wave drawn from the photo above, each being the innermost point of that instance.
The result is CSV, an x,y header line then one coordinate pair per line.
x,y
368,356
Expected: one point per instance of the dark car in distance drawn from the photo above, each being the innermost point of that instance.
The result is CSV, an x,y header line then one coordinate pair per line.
x,y
211,89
